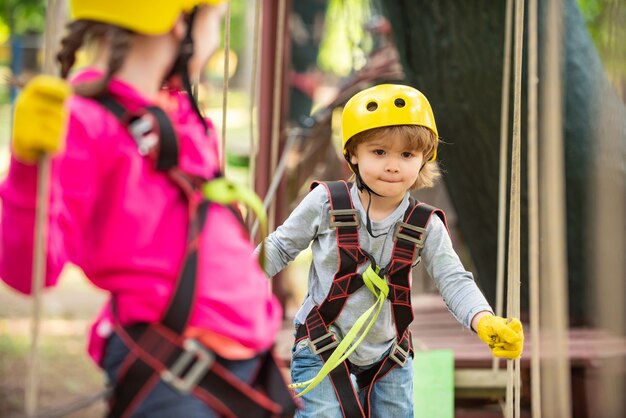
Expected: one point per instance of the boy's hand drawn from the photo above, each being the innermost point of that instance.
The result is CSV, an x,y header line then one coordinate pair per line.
x,y
504,337
40,118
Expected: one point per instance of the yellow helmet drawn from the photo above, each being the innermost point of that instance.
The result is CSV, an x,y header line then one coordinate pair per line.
x,y
386,105
149,17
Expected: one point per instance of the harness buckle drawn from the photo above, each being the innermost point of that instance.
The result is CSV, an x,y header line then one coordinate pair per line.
x,y
185,374
334,342
142,130
398,354
339,212
419,242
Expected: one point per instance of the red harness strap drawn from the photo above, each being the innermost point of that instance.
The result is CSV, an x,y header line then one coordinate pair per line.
x,y
409,237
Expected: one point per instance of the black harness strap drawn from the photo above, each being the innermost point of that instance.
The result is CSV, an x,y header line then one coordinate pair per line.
x,y
409,237
344,218
409,240
151,129
158,354
159,351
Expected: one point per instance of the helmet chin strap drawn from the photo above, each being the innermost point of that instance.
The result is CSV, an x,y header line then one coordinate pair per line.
x,y
360,184
181,66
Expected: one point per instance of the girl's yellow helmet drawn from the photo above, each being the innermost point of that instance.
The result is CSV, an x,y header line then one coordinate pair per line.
x,y
386,105
149,17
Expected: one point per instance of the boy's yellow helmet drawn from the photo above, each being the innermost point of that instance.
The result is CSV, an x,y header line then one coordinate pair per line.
x,y
386,105
149,17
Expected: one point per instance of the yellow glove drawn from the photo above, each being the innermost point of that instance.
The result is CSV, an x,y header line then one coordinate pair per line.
x,y
504,337
40,118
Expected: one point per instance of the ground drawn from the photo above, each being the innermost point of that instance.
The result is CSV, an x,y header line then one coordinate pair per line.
x,y
65,372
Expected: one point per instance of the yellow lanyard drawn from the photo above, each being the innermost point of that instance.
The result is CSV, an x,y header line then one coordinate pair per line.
x,y
225,192
379,288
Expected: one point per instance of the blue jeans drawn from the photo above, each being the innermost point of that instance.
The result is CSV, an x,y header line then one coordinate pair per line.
x,y
392,396
165,401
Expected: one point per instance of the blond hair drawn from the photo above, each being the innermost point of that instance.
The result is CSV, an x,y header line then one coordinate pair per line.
x,y
418,139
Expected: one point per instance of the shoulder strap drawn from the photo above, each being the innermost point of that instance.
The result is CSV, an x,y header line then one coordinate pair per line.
x,y
344,219
427,211
149,127
409,237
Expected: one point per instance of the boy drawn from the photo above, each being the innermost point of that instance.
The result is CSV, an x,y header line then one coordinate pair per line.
x,y
375,233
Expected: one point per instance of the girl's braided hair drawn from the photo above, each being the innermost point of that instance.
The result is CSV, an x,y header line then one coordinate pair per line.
x,y
82,32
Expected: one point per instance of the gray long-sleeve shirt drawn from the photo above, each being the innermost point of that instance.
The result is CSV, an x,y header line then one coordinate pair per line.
x,y
308,225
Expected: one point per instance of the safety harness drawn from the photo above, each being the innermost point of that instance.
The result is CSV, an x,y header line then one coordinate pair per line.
x,y
159,351
409,236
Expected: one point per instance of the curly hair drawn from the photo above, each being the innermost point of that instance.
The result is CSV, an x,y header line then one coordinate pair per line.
x,y
419,139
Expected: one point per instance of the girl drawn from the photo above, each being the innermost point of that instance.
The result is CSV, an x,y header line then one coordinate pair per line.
x,y
354,320
191,317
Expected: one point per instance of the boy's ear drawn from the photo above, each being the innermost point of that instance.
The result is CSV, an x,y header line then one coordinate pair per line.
x,y
353,159
180,27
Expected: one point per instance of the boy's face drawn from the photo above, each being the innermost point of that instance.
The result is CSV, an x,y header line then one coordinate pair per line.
x,y
387,165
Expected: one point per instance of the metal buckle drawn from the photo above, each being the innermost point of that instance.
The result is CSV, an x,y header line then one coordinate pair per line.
x,y
334,343
336,212
394,356
419,242
142,130
203,360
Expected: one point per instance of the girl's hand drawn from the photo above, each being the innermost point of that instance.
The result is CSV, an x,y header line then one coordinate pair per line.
x,y
40,118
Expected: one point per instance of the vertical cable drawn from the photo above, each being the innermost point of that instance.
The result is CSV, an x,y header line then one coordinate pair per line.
x,y
533,211
225,84
55,18
504,141
513,267
254,84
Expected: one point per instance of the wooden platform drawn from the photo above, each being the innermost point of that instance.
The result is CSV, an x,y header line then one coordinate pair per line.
x,y
434,327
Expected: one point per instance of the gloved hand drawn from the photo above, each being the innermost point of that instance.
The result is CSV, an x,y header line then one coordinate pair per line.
x,y
40,118
505,337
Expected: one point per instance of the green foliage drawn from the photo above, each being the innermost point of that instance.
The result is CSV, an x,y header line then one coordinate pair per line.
x,y
345,44
606,22
238,29
23,16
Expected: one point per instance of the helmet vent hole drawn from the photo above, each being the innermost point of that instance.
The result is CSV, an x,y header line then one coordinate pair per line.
x,y
372,106
399,102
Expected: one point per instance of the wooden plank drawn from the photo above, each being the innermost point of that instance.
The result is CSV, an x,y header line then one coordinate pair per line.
x,y
480,379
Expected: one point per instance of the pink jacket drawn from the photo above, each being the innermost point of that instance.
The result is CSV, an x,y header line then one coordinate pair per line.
x,y
125,225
